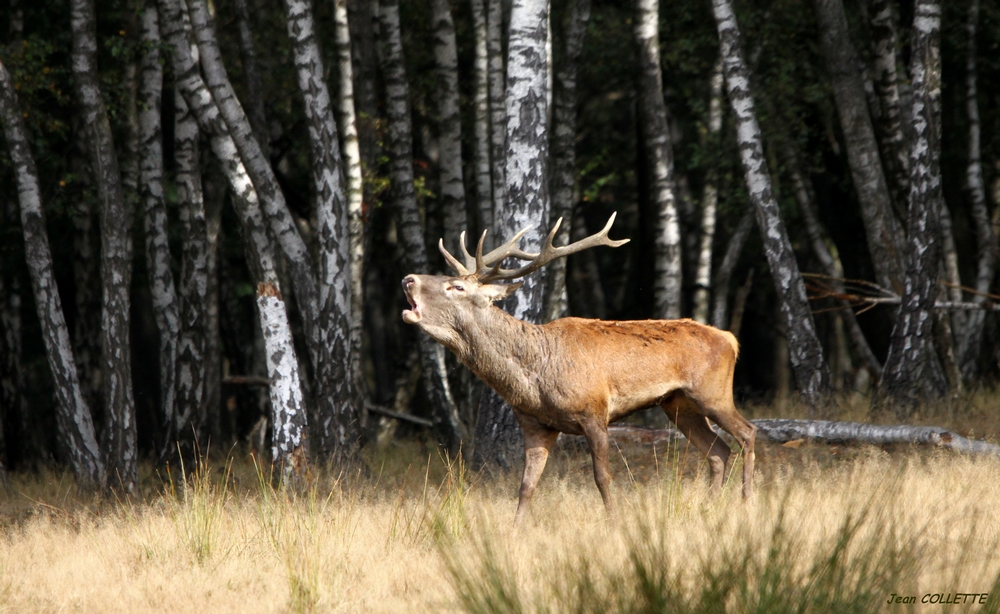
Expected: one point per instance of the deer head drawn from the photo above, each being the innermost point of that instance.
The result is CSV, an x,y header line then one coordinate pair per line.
x,y
443,306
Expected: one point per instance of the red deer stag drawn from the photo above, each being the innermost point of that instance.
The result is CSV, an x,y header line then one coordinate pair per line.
x,y
575,375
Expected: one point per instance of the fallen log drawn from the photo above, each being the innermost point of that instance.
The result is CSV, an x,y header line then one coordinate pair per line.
x,y
824,431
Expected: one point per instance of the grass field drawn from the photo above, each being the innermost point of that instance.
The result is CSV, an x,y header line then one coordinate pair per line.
x,y
830,529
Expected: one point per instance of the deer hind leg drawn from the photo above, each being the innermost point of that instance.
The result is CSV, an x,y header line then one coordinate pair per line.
x,y
745,434
694,425
597,438
538,441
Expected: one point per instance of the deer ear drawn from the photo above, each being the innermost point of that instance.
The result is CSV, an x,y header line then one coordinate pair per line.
x,y
497,292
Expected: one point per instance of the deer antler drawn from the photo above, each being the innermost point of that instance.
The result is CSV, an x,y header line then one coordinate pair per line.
x,y
487,267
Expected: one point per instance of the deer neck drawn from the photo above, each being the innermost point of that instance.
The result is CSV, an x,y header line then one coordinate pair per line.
x,y
503,351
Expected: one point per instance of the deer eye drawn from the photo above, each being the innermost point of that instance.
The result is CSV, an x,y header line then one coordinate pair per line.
x,y
457,287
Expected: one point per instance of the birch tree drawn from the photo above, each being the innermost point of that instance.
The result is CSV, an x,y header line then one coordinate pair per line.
x,y
481,121
449,123
912,371
563,143
355,189
498,111
970,341
119,442
76,428
407,214
660,160
157,248
340,418
709,201
251,73
885,237
812,375
498,438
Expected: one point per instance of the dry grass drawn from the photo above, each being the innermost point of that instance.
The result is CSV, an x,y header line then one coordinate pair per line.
x,y
826,532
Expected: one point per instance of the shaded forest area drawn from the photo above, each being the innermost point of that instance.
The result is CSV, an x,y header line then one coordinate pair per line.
x,y
352,134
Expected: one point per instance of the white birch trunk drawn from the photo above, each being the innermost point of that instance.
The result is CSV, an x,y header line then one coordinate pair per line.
x,y
119,442
407,215
812,374
449,123
481,130
912,372
660,160
355,189
498,109
161,279
289,442
255,91
720,282
970,341
709,201
338,417
73,417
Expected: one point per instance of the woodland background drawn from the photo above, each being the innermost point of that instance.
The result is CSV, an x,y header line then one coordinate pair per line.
x,y
815,79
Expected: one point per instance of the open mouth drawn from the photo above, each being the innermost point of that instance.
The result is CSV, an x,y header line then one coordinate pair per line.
x,y
411,315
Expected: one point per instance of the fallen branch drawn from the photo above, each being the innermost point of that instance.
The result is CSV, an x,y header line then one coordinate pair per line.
x,y
824,431
384,411
865,294
247,380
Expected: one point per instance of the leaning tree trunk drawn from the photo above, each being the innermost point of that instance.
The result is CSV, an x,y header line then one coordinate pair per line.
x,y
660,160
449,123
912,371
720,281
564,185
254,89
339,418
119,441
481,122
400,148
76,428
709,201
498,439
888,121
161,279
289,439
811,372
881,228
986,239
355,193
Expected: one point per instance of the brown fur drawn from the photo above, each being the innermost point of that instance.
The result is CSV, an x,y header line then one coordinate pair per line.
x,y
576,375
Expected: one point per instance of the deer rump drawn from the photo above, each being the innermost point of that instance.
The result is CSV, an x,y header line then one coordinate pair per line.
x,y
575,375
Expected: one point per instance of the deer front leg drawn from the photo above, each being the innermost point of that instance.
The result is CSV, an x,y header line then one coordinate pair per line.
x,y
538,441
597,439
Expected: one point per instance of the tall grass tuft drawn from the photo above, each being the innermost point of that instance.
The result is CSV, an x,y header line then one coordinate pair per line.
x,y
199,508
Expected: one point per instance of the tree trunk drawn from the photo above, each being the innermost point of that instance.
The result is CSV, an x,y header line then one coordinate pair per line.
x,y
882,230
912,370
564,184
970,340
339,425
703,277
362,16
407,214
255,91
289,440
161,279
355,195
498,110
660,160
119,441
497,434
720,283
888,120
215,196
831,264
449,123
191,349
76,428
812,375
481,130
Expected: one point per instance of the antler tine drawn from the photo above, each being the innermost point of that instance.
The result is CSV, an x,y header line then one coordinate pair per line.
x,y
550,252
508,249
451,260
470,262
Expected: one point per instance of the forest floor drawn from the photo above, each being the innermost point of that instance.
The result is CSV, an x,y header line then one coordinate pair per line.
x,y
830,528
